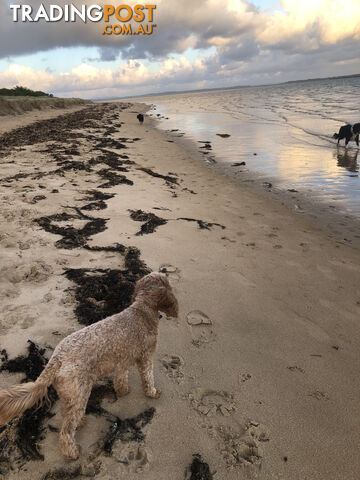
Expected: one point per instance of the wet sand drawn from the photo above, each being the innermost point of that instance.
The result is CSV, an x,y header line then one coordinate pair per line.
x,y
259,373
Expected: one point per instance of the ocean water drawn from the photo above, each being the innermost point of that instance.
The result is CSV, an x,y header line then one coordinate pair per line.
x,y
282,132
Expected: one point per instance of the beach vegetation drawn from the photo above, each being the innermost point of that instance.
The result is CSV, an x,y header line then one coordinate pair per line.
x,y
19,91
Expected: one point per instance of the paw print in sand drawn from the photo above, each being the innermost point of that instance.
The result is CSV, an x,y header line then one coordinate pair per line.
x,y
133,457
173,365
212,402
242,447
201,328
171,271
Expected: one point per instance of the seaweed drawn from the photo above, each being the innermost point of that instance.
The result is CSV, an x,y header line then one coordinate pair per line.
x,y
127,430
202,225
19,439
199,469
151,220
86,470
94,195
99,205
32,365
63,473
98,393
112,159
113,178
54,129
109,143
97,200
72,237
104,292
167,178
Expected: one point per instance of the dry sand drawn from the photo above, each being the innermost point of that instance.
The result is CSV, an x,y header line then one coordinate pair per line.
x,y
260,372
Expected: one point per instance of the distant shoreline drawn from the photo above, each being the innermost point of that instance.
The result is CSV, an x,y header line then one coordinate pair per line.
x,y
174,92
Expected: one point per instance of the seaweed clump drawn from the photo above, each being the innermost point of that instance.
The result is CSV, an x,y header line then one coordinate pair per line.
x,y
168,179
199,469
72,237
104,292
19,439
97,200
112,178
128,430
151,220
202,225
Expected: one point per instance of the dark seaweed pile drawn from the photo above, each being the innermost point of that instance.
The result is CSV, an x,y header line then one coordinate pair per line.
x,y
72,237
151,220
55,129
96,197
128,430
112,178
199,469
101,293
19,439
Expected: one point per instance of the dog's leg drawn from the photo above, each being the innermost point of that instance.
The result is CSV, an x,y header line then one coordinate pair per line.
x,y
145,367
121,383
347,141
74,396
357,140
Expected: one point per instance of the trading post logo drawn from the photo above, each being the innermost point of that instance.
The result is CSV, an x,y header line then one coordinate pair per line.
x,y
141,15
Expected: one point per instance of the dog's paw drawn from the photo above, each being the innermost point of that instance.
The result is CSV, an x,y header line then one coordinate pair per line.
x,y
123,391
72,453
155,393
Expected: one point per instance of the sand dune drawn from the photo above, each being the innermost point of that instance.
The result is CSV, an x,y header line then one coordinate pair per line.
x,y
19,105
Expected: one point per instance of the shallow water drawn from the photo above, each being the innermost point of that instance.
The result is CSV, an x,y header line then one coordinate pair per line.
x,y
280,131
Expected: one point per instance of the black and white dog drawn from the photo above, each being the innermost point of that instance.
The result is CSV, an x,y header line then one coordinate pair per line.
x,y
349,132
140,117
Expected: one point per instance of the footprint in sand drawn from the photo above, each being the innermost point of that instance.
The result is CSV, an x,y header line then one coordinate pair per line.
x,y
241,447
295,368
133,457
212,402
197,317
37,273
171,271
244,377
200,325
319,395
173,365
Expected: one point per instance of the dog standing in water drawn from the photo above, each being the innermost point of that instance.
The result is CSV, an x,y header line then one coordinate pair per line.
x,y
349,132
105,348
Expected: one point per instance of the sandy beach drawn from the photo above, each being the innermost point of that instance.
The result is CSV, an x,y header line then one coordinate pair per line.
x,y
259,374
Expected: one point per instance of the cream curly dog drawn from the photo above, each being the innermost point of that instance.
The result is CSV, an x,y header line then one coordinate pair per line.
x,y
105,348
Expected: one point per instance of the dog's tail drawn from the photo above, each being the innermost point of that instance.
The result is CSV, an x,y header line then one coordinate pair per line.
x,y
19,398
336,136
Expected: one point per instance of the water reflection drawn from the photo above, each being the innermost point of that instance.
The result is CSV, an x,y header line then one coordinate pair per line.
x,y
280,131
347,159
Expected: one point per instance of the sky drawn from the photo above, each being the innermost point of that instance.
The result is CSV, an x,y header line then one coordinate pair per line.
x,y
195,44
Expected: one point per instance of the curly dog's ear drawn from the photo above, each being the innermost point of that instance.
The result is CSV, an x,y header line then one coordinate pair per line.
x,y
147,285
168,303
156,288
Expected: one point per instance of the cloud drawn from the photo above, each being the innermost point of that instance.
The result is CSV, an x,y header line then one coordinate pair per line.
x,y
312,23
251,46
87,78
303,25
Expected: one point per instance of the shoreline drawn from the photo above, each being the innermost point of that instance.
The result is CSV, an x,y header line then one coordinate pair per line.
x,y
261,363
333,219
